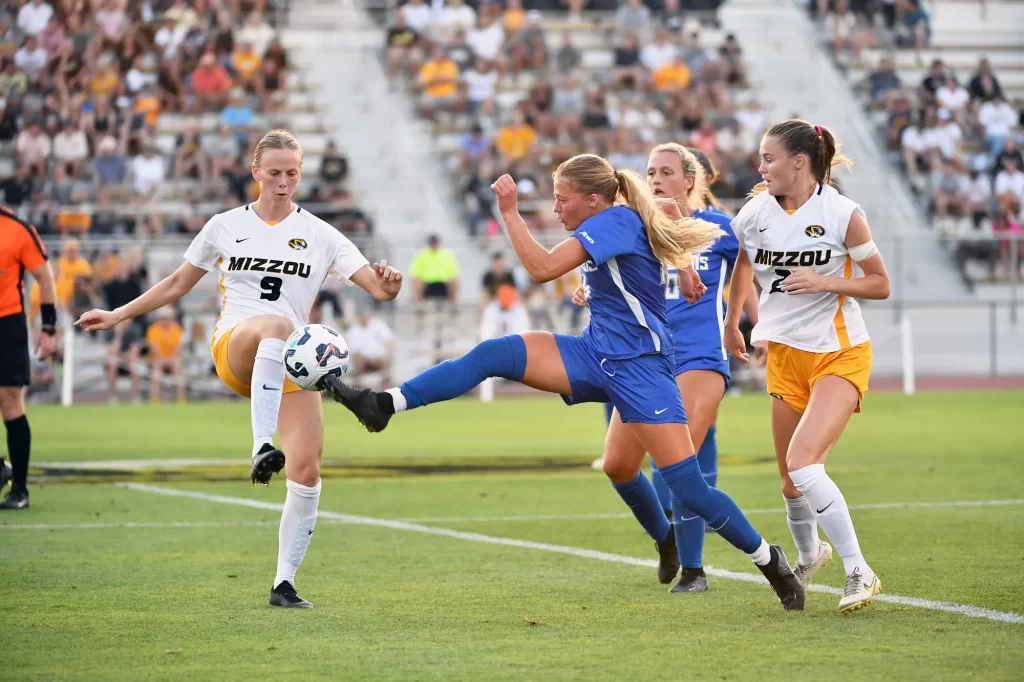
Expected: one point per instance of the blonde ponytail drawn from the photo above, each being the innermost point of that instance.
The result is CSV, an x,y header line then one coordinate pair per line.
x,y
674,241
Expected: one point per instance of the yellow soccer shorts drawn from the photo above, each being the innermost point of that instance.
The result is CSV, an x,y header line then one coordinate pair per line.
x,y
792,373
220,361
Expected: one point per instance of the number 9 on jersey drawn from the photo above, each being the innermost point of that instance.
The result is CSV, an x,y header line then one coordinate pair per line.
x,y
312,353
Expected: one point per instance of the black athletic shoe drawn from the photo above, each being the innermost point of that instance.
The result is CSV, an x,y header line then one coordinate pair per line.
x,y
16,499
267,462
668,558
284,595
691,580
368,406
780,576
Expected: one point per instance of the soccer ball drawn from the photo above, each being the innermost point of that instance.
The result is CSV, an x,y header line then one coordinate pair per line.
x,y
312,353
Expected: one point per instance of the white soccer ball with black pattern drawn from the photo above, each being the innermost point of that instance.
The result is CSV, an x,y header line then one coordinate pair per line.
x,y
312,353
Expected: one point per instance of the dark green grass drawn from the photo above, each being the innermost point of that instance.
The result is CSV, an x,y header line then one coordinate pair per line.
x,y
190,602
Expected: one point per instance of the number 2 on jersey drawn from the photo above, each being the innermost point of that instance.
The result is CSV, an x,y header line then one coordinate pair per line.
x,y
271,287
781,274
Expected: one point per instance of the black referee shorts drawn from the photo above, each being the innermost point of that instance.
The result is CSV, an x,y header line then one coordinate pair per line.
x,y
14,360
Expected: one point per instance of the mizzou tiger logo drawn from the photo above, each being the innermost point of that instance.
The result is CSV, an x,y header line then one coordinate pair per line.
x,y
297,244
814,231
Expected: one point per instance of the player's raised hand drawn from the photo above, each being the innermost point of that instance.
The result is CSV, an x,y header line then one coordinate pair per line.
x,y
579,297
97,320
735,343
505,191
388,278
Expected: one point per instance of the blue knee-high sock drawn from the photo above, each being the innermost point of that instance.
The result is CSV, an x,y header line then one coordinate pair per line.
x,y
722,514
608,409
689,529
639,495
504,357
707,458
664,494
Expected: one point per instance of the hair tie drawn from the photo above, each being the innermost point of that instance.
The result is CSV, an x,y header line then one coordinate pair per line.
x,y
818,128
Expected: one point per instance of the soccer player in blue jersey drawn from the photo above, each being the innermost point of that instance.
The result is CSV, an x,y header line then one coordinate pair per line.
x,y
675,173
625,355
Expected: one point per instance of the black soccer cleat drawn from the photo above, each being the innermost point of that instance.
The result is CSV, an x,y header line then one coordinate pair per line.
x,y
780,576
16,499
365,404
267,462
668,558
284,595
691,580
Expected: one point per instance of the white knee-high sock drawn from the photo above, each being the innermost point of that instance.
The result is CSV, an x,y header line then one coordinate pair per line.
x,y
803,528
831,512
297,521
265,391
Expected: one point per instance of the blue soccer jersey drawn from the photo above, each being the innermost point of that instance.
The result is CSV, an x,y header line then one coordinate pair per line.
x,y
623,285
697,327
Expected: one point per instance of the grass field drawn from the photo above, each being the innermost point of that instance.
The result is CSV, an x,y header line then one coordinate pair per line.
x,y
518,562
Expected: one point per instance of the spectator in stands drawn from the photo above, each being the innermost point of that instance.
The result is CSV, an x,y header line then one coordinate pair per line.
x,y
402,43
954,98
438,79
171,85
417,15
210,84
673,77
947,184
1009,188
659,53
529,49
933,81
18,188
977,193
515,140
947,137
34,16
997,118
70,266
256,32
112,20
109,166
247,63
498,275
881,81
372,344
434,272
916,30
473,146
164,340
481,86
333,167
627,71
31,59
984,85
148,172
568,57
32,147
486,38
59,189
1010,151
514,18
124,342
238,116
916,147
633,17
189,158
223,150
841,31
52,37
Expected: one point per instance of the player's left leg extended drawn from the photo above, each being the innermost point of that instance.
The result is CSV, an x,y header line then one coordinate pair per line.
x,y
532,359
623,457
832,403
19,444
301,430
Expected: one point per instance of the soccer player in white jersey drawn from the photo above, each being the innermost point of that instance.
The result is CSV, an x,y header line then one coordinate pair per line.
x,y
800,237
271,257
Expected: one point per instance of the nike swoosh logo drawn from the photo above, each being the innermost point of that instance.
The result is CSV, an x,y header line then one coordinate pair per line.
x,y
660,411
827,506
310,533
270,388
762,229
239,241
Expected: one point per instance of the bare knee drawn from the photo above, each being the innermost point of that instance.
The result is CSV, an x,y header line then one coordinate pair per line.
x,y
619,470
303,467
276,327
788,489
12,402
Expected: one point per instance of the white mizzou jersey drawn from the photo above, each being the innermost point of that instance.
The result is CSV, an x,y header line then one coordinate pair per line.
x,y
814,237
271,269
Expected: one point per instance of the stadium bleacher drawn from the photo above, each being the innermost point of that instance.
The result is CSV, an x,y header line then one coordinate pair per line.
x,y
87,91
950,108
539,87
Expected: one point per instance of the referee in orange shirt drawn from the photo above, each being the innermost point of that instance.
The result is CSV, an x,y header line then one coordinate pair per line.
x,y
20,250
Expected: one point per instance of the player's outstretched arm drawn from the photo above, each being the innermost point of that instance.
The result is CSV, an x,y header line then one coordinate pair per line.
x,y
167,290
381,281
541,264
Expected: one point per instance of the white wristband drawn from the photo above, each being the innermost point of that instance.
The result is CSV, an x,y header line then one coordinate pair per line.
x,y
864,251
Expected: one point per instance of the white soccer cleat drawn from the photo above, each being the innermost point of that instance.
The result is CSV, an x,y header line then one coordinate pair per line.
x,y
597,464
861,588
806,573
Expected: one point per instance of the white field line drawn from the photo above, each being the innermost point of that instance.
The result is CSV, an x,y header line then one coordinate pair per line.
x,y
87,526
949,607
775,510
